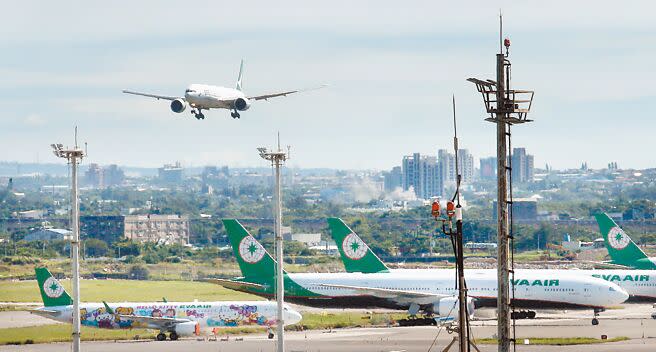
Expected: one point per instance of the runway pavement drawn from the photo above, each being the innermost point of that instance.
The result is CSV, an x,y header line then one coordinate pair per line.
x,y
632,321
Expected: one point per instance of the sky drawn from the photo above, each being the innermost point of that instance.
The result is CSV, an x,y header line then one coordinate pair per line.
x,y
391,69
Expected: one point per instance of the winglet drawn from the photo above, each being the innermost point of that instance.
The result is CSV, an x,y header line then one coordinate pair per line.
x,y
107,308
241,71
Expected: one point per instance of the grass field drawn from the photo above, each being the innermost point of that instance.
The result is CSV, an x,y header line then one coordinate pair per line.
x,y
62,332
558,341
127,291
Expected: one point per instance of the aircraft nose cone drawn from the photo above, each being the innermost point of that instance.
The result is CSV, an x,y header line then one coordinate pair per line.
x,y
292,317
622,295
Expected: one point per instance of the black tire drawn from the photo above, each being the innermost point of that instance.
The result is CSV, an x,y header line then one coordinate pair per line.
x,y
270,336
161,337
595,321
173,336
531,314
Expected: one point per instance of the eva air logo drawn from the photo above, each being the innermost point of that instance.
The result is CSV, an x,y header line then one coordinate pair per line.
x,y
617,238
250,250
52,288
353,247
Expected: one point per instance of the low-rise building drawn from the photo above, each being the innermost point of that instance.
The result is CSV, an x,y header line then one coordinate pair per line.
x,y
166,229
48,234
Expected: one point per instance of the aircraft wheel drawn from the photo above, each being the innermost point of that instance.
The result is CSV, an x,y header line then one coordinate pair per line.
x,y
595,321
173,336
531,314
161,336
270,336
201,116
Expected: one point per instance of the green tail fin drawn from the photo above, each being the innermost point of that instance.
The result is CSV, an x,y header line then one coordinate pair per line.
x,y
253,259
52,291
356,255
621,249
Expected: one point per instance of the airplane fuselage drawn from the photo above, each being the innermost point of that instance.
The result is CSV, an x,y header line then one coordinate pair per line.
x,y
205,315
544,290
205,96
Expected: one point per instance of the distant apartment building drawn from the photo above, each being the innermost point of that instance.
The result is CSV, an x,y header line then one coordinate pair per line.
x,y
522,166
393,179
488,168
171,173
167,229
422,173
466,165
447,164
101,177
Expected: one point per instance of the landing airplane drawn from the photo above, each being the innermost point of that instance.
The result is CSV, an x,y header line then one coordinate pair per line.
x,y
175,318
621,248
413,291
358,257
201,97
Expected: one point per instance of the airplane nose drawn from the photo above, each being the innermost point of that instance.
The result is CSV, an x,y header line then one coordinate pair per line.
x,y
292,317
622,295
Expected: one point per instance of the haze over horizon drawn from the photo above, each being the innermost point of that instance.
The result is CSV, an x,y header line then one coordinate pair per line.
x,y
391,67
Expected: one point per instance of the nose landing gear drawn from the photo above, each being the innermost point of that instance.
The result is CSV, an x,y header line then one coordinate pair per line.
x,y
595,321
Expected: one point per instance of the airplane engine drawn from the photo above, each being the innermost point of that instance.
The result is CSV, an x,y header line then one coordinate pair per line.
x,y
242,104
187,329
448,307
178,105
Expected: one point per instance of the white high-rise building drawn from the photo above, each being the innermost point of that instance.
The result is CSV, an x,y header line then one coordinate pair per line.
x,y
447,162
422,173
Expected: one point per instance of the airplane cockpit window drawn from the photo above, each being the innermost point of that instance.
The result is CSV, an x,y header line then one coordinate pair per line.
x,y
190,91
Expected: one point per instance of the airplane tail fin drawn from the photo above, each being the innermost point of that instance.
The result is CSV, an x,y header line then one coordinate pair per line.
x,y
52,291
621,248
241,71
254,261
356,255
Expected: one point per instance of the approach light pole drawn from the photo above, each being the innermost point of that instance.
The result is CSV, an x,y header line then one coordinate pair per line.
x,y
277,158
507,107
74,156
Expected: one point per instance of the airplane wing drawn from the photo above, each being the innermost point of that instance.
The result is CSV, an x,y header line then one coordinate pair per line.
x,y
45,313
236,285
159,321
397,295
165,97
282,94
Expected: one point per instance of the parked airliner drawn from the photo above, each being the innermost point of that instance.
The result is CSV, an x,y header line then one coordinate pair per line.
x,y
201,97
413,290
175,318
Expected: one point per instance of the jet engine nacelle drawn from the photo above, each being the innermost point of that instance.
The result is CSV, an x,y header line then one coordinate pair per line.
x,y
187,329
242,104
448,307
178,105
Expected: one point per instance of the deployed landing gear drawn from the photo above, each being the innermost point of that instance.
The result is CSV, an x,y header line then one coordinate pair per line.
x,y
198,114
523,314
595,321
161,336
270,336
235,114
173,336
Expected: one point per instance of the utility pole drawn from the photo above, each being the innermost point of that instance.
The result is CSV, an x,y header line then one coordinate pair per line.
x,y
74,156
506,108
277,158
